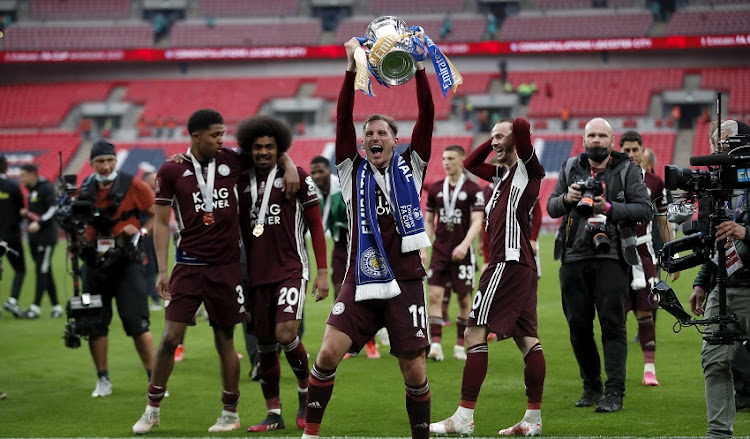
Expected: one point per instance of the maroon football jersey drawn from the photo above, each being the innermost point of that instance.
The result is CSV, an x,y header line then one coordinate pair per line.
x,y
469,199
509,225
280,252
405,266
176,185
657,194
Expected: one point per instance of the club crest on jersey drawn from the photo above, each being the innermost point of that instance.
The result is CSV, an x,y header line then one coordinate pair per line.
x,y
338,309
223,170
373,264
278,183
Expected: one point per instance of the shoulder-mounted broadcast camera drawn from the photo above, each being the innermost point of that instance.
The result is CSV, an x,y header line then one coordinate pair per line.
x,y
728,173
84,311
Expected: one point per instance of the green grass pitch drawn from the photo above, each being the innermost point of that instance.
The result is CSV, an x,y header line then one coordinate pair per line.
x,y
49,385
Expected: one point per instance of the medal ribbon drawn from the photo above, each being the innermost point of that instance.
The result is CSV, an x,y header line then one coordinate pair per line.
x,y
450,204
206,187
266,193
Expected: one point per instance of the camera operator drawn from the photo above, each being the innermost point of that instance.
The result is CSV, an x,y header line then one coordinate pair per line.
x,y
717,359
112,265
601,196
42,230
11,203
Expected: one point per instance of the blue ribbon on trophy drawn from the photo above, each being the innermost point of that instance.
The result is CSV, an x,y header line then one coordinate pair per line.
x,y
394,50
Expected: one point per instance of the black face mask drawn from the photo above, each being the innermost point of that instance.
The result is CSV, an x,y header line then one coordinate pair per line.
x,y
596,153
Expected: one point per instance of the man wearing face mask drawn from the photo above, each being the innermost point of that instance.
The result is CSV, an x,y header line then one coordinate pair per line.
x,y
112,265
601,196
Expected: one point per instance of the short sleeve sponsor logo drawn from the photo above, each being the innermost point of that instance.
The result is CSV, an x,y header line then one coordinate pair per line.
x,y
278,183
373,264
480,198
223,170
310,186
338,309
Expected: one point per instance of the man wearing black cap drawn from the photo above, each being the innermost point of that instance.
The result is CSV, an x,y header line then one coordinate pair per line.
x,y
11,203
112,263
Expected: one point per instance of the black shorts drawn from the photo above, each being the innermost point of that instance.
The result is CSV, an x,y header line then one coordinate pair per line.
x,y
128,287
405,317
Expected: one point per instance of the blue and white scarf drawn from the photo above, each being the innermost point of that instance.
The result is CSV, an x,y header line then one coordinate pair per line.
x,y
375,278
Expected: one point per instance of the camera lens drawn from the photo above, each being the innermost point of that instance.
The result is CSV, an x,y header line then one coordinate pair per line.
x,y
585,207
601,243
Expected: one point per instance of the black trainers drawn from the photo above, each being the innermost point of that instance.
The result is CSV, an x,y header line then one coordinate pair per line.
x,y
612,402
301,409
271,423
589,398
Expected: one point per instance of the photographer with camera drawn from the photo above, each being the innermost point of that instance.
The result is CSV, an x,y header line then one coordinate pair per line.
x,y
112,262
601,196
11,203
721,368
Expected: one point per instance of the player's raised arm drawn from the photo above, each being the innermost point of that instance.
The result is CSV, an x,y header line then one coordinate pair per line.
x,y
475,164
346,136
421,137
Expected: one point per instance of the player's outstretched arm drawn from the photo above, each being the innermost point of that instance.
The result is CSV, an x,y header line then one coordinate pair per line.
x,y
421,136
346,136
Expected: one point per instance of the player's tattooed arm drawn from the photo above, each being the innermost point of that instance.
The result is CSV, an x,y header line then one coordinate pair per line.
x,y
291,176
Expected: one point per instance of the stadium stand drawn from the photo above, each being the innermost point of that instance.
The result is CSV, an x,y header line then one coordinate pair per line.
x,y
92,35
734,81
628,91
269,32
239,98
395,7
79,9
709,22
45,105
39,148
396,101
634,24
464,27
245,8
701,145
544,5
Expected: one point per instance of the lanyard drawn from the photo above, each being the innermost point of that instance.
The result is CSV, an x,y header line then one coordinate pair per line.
x,y
206,187
266,193
449,204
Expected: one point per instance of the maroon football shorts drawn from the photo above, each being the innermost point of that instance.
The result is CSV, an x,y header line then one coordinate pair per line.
x,y
405,317
506,300
219,287
275,303
458,278
338,262
639,300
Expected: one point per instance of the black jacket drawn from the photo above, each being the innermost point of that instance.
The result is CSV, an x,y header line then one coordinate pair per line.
x,y
630,205
11,203
43,202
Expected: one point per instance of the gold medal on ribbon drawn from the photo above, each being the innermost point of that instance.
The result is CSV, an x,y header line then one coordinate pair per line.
x,y
208,218
258,230
449,226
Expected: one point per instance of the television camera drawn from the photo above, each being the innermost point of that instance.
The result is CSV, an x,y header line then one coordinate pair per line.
x,y
84,311
727,175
